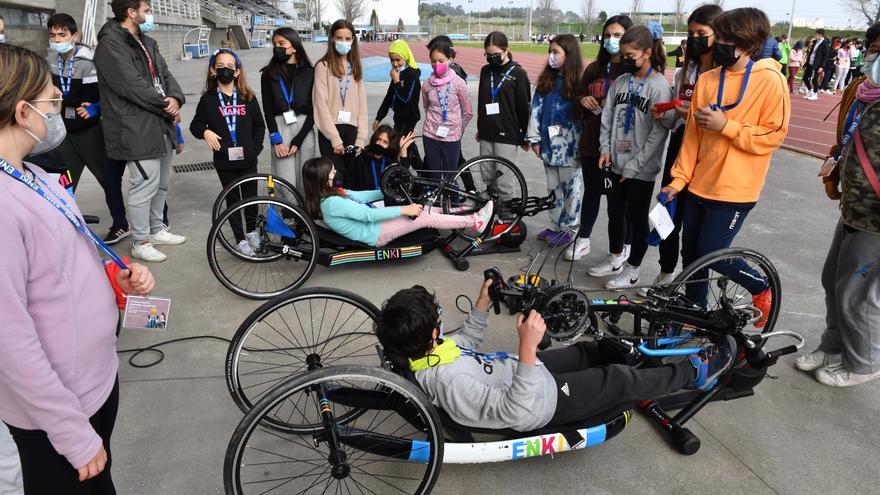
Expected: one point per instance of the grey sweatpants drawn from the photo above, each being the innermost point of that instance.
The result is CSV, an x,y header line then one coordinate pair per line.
x,y
10,467
505,186
148,181
851,279
290,168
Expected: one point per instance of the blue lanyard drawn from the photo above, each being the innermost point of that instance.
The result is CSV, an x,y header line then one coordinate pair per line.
x,y
62,206
368,205
607,78
850,126
408,96
630,108
444,103
382,169
288,97
493,90
343,94
233,109
65,86
742,92
491,356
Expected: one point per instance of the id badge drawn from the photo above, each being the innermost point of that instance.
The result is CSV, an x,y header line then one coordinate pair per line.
x,y
236,154
69,113
554,130
493,108
828,167
344,117
442,131
289,117
624,146
148,313
598,110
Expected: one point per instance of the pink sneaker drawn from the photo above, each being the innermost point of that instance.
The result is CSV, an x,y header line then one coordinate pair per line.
x,y
483,218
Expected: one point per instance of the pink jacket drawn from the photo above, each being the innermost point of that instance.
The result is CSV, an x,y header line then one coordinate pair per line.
x,y
796,58
458,109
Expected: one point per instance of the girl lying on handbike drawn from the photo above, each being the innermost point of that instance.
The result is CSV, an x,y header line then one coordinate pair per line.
x,y
351,213
534,389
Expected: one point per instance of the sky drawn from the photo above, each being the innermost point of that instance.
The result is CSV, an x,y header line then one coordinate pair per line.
x,y
832,11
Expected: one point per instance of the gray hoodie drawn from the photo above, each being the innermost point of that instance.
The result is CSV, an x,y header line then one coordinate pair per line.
x,y
647,135
501,393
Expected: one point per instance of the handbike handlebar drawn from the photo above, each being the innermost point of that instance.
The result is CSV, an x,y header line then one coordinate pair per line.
x,y
754,340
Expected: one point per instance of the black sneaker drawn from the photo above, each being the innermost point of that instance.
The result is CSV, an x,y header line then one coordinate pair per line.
x,y
117,234
712,362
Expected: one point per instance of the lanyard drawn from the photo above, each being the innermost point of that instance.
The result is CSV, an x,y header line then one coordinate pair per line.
x,y
742,92
490,356
149,58
231,124
382,169
630,108
444,103
850,126
493,90
343,94
408,96
62,206
607,78
65,85
288,97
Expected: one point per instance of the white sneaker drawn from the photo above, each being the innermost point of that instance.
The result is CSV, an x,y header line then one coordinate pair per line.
x,y
836,376
482,218
626,250
579,249
660,280
613,265
145,251
253,240
163,237
811,97
628,277
815,360
244,247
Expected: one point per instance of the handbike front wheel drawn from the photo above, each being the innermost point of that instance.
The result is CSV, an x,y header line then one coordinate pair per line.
x,y
393,445
262,247
494,178
303,329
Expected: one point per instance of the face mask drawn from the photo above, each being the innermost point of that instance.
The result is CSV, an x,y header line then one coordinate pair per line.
x,y
724,55
440,69
494,59
342,47
61,48
628,66
377,149
553,61
871,69
698,45
612,45
2,38
55,132
147,25
279,54
225,75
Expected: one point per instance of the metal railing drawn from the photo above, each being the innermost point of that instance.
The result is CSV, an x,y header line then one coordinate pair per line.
x,y
186,9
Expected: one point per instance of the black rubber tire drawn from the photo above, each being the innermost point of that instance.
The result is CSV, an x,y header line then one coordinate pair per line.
x,y
283,183
233,464
239,342
216,238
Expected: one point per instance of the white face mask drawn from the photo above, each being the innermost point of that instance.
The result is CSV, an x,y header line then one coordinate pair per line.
x,y
553,61
871,69
55,132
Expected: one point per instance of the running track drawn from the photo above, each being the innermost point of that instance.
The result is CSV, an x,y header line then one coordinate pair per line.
x,y
807,132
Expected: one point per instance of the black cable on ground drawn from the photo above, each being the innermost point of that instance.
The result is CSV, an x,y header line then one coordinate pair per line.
x,y
154,348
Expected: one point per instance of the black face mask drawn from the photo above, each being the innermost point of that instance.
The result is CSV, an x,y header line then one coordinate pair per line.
x,y
628,66
225,75
724,55
698,46
377,149
494,59
279,54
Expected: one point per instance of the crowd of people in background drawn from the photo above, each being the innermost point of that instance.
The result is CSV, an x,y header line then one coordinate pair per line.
x,y
597,130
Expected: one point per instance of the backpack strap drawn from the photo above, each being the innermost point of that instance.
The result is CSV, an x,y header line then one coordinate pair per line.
x,y
866,164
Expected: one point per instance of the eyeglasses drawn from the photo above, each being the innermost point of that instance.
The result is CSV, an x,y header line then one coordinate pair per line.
x,y
57,103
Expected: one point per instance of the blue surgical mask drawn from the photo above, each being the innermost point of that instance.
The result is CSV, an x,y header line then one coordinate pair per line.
x,y
61,48
342,47
612,45
553,61
871,69
147,25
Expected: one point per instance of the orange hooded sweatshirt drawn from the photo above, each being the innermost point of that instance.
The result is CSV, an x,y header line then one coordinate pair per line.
x,y
731,166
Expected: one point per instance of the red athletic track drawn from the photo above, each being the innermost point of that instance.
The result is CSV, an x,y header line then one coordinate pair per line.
x,y
807,133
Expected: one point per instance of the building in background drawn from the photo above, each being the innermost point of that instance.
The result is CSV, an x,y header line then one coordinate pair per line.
x,y
389,11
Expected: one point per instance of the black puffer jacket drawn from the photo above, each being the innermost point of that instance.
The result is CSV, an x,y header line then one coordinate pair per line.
x,y
133,115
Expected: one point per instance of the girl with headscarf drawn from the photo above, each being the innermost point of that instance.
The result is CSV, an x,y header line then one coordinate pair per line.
x,y
403,90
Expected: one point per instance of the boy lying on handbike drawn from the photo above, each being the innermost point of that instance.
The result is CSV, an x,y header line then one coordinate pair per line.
x,y
534,389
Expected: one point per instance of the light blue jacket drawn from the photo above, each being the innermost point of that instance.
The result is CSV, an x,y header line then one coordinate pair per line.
x,y
352,218
549,110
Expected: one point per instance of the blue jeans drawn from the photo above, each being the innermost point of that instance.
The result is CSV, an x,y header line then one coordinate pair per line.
x,y
709,226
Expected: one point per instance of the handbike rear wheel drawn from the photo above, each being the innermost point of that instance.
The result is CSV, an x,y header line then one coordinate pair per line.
x,y
394,444
265,185
284,248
